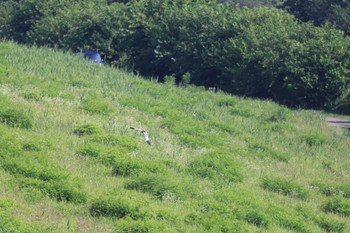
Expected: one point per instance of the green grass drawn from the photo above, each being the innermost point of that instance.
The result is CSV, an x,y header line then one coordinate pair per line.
x,y
69,161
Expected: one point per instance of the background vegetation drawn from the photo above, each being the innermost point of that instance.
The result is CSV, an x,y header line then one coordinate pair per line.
x,y
217,163
258,52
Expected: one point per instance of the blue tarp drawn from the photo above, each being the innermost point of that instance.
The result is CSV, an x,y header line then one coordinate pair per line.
x,y
95,57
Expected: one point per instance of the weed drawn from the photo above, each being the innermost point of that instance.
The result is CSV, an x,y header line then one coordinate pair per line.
x,y
216,166
314,139
93,150
226,102
116,140
140,226
16,118
330,225
97,105
31,146
61,190
337,205
119,207
333,189
160,186
257,218
280,114
79,82
289,220
8,223
34,96
284,186
126,166
86,129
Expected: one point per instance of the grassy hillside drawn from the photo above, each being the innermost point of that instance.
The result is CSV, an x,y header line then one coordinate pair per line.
x,y
69,161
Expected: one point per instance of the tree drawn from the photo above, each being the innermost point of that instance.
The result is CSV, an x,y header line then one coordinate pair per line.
x,y
334,12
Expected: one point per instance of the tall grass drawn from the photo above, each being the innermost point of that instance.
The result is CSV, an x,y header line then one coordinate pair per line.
x,y
216,163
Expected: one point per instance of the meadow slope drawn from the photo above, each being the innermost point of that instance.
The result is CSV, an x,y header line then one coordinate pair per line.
x,y
69,161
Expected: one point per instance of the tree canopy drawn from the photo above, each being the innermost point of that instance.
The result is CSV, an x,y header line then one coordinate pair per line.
x,y
257,52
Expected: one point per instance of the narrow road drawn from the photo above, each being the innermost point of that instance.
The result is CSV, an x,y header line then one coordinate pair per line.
x,y
338,122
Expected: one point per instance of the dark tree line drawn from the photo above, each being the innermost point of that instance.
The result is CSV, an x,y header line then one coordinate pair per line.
x,y
334,12
260,52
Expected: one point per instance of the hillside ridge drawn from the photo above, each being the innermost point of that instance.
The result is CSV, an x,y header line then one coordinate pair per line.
x,y
69,161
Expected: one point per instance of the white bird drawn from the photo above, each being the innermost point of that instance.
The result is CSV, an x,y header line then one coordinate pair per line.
x,y
145,134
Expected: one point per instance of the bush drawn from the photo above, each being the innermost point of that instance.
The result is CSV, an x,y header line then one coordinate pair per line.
x,y
93,150
103,154
34,96
333,189
285,187
64,191
257,218
314,139
216,166
159,186
61,190
289,219
116,140
126,166
330,225
86,129
28,168
31,146
119,207
16,118
140,226
337,205
8,223
261,149
97,105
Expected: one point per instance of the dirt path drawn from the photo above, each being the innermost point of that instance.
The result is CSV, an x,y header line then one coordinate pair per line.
x,y
338,122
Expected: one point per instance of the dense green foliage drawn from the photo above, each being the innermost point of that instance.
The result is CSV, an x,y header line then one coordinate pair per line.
x,y
335,12
258,52
217,163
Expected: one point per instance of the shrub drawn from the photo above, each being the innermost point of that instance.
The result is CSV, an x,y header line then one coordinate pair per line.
x,y
79,82
97,105
214,222
333,189
116,140
92,150
31,169
31,146
126,166
280,114
8,223
216,166
86,129
226,102
285,187
61,190
288,219
263,150
330,225
119,207
35,96
314,139
337,205
103,154
16,118
257,218
140,226
64,191
159,186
